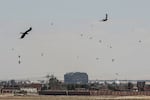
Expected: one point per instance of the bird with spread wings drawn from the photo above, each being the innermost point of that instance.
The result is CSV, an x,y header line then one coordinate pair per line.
x,y
106,18
25,33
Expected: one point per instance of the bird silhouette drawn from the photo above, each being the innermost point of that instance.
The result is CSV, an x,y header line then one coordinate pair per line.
x,y
97,58
81,35
90,38
140,41
106,18
100,41
25,33
52,23
113,60
19,59
19,62
19,56
42,54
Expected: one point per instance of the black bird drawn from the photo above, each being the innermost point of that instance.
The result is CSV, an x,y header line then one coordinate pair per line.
x,y
26,32
106,18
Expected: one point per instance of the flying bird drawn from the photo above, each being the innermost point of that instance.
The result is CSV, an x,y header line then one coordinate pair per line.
x,y
100,41
12,49
113,60
42,54
90,38
81,35
19,56
140,41
97,58
117,73
106,18
52,23
19,62
25,33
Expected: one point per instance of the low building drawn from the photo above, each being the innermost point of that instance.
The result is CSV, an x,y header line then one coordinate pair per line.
x,y
29,90
9,90
37,86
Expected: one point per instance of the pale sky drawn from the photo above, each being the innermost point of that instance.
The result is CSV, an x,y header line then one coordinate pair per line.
x,y
63,47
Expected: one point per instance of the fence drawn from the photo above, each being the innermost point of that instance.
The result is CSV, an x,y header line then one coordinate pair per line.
x,y
119,93
94,93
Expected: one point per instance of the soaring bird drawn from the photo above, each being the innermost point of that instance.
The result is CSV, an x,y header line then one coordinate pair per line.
x,y
106,18
26,32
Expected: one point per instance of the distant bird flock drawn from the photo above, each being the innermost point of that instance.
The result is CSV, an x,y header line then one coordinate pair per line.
x,y
23,34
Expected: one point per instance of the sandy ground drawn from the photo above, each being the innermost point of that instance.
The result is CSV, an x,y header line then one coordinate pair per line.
x,y
74,97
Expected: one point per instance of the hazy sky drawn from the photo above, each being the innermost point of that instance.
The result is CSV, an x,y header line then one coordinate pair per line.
x,y
67,34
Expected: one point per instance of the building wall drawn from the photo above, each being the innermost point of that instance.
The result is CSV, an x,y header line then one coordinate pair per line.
x,y
29,90
8,90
